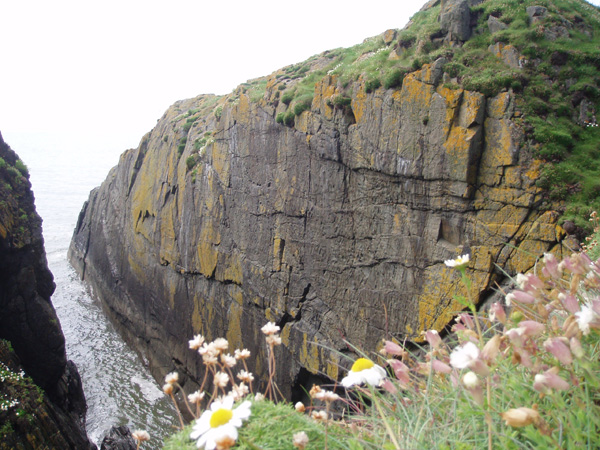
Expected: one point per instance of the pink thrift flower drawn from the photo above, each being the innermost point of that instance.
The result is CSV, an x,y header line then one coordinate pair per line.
x,y
544,382
531,328
559,349
441,367
521,297
551,269
576,348
401,371
569,302
389,386
433,338
391,348
466,320
497,312
491,349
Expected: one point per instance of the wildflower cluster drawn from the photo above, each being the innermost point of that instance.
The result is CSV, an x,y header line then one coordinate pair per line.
x,y
7,403
529,364
231,381
7,375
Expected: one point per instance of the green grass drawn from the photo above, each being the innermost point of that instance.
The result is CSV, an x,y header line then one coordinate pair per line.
x,y
271,427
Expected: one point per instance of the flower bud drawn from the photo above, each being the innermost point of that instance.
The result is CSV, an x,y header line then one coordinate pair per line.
x,y
569,302
491,348
389,386
391,348
433,338
522,297
543,382
168,389
520,417
576,348
470,380
441,367
300,407
551,269
559,349
401,371
531,328
497,312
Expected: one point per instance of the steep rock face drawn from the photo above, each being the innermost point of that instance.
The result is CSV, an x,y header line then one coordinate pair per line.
x,y
336,228
29,323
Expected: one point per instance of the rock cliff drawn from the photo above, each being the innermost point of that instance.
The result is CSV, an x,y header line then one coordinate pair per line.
x,y
32,347
332,220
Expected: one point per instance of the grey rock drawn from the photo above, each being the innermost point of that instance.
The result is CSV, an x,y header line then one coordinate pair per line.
x,y
495,25
118,438
455,19
536,13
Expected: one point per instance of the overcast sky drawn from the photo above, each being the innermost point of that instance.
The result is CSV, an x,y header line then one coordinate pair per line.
x,y
109,69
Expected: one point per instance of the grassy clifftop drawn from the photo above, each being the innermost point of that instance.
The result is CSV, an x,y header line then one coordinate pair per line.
x,y
545,51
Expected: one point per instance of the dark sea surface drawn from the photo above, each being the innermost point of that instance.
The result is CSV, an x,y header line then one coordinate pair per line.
x,y
118,388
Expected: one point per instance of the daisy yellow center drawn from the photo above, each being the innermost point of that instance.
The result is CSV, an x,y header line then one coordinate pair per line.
x,y
362,364
220,417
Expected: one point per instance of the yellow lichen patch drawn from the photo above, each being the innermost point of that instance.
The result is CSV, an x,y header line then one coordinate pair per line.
x,y
309,354
168,249
453,98
416,95
221,161
234,326
232,269
242,109
277,254
501,150
207,253
197,317
237,294
324,90
472,108
535,170
285,335
436,305
498,105
359,103
459,146
171,290
332,367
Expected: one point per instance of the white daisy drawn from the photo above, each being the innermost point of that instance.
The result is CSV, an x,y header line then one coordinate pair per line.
x,y
461,261
220,422
364,371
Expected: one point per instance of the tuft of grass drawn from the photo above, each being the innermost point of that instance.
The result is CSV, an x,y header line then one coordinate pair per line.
x,y
271,426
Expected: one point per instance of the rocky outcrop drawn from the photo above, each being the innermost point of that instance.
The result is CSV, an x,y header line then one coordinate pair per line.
x,y
32,339
335,226
455,19
118,438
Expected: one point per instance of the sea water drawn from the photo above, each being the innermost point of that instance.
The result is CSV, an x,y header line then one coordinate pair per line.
x,y
118,387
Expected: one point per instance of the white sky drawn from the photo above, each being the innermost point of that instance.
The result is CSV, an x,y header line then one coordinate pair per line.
x,y
109,69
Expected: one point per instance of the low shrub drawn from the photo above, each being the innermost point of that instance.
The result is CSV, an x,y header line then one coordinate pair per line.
x,y
394,79
287,97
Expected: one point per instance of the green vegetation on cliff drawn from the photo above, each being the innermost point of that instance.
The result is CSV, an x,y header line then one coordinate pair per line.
x,y
545,52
